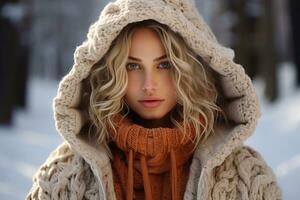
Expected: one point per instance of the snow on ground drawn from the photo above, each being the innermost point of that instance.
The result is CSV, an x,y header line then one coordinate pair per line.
x,y
26,145
277,135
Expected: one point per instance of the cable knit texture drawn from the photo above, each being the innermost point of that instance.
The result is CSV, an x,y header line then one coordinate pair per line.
x,y
221,167
65,176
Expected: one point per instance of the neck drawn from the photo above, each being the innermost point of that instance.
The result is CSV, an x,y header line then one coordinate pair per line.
x,y
151,123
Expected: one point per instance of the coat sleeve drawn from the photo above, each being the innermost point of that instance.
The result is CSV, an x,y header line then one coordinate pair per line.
x,y
244,175
64,175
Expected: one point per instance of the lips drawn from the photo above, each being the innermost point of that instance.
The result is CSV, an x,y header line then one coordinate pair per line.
x,y
152,99
151,103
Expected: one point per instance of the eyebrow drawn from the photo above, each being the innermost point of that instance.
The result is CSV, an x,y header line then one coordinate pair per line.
x,y
156,59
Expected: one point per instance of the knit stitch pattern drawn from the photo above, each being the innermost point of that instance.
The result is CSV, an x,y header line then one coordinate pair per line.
x,y
158,160
216,171
64,175
243,175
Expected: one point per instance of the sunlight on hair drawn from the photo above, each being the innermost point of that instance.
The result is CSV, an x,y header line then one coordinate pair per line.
x,y
197,96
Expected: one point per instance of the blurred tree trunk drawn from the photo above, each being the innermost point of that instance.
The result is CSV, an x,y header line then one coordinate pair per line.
x,y
23,61
294,6
245,44
14,53
58,27
269,58
8,66
254,43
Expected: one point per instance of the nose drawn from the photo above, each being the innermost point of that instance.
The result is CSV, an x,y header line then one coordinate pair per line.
x,y
149,83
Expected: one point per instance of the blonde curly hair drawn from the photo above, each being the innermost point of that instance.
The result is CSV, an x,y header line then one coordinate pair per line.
x,y
195,85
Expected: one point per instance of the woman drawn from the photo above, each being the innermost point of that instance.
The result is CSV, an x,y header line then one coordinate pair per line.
x,y
154,108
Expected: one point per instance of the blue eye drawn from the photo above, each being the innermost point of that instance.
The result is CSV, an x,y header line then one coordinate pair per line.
x,y
165,65
132,66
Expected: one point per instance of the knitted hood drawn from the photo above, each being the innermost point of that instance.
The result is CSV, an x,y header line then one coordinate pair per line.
x,y
182,17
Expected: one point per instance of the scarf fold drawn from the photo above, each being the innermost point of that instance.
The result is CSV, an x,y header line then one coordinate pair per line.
x,y
145,154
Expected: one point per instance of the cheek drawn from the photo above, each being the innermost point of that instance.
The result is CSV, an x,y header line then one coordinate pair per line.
x,y
132,87
133,79
169,84
168,89
172,89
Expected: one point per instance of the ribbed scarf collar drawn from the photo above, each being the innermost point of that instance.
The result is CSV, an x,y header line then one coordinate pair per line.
x,y
152,151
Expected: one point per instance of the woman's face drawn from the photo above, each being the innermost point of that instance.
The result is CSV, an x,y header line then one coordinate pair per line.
x,y
150,92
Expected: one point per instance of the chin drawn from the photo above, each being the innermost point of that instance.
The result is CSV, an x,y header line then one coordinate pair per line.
x,y
151,116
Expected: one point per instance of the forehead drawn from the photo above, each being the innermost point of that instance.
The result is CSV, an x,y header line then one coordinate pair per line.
x,y
146,41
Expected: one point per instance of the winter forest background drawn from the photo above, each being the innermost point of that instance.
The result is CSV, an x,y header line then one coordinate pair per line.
x,y
38,38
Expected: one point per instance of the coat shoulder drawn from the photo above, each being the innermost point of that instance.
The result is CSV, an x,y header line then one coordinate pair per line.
x,y
64,175
244,174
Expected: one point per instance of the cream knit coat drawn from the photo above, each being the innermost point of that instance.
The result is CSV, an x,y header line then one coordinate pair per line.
x,y
222,168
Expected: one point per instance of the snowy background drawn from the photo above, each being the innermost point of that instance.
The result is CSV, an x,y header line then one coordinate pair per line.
x,y
27,144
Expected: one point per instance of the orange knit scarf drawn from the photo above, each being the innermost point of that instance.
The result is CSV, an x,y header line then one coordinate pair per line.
x,y
148,161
